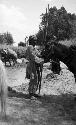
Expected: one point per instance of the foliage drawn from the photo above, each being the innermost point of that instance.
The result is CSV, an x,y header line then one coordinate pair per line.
x,y
32,40
21,51
6,38
58,23
40,37
21,44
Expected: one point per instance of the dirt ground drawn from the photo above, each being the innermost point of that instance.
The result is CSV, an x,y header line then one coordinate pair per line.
x,y
56,104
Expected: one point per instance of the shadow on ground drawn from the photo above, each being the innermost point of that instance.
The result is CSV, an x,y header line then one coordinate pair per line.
x,y
55,109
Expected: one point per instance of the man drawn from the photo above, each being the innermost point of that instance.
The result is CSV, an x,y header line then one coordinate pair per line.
x,y
32,69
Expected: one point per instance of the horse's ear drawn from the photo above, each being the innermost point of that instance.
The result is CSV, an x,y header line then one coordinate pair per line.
x,y
55,43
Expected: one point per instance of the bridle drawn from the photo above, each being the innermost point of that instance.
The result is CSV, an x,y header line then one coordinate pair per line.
x,y
52,50
52,53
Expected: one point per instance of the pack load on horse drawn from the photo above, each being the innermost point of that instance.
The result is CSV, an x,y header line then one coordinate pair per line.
x,y
65,54
8,55
34,70
4,56
12,52
13,55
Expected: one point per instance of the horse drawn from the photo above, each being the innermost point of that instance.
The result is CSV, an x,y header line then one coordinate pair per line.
x,y
65,54
8,55
3,88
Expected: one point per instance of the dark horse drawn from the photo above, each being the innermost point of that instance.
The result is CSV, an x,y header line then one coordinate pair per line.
x,y
65,54
8,55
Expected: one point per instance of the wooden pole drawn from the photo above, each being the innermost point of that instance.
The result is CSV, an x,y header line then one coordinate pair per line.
x,y
48,8
46,23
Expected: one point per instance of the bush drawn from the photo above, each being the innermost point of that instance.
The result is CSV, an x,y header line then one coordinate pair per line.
x,y
21,51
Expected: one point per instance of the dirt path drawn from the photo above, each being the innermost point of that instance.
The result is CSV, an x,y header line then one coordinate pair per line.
x,y
52,108
44,111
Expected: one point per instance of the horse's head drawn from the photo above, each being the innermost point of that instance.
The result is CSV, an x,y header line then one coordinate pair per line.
x,y
51,51
45,53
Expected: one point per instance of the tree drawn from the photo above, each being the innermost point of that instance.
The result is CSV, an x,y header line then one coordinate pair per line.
x,y
1,38
58,23
40,37
21,44
6,38
32,40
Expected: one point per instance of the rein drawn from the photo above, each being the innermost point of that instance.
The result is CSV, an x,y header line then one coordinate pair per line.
x,y
55,62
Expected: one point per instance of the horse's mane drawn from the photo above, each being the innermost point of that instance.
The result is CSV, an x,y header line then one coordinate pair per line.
x,y
62,46
69,51
72,47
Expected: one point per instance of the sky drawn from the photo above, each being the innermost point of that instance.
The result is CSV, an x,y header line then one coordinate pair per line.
x,y
22,17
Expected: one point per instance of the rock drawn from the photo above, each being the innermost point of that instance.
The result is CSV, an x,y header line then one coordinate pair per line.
x,y
63,66
19,61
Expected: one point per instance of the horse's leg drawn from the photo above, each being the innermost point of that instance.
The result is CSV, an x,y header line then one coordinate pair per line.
x,y
39,80
40,77
37,71
14,62
5,63
39,84
75,77
3,103
9,62
3,89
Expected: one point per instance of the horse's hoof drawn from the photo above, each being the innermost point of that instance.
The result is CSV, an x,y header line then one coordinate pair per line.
x,y
3,116
33,98
9,88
